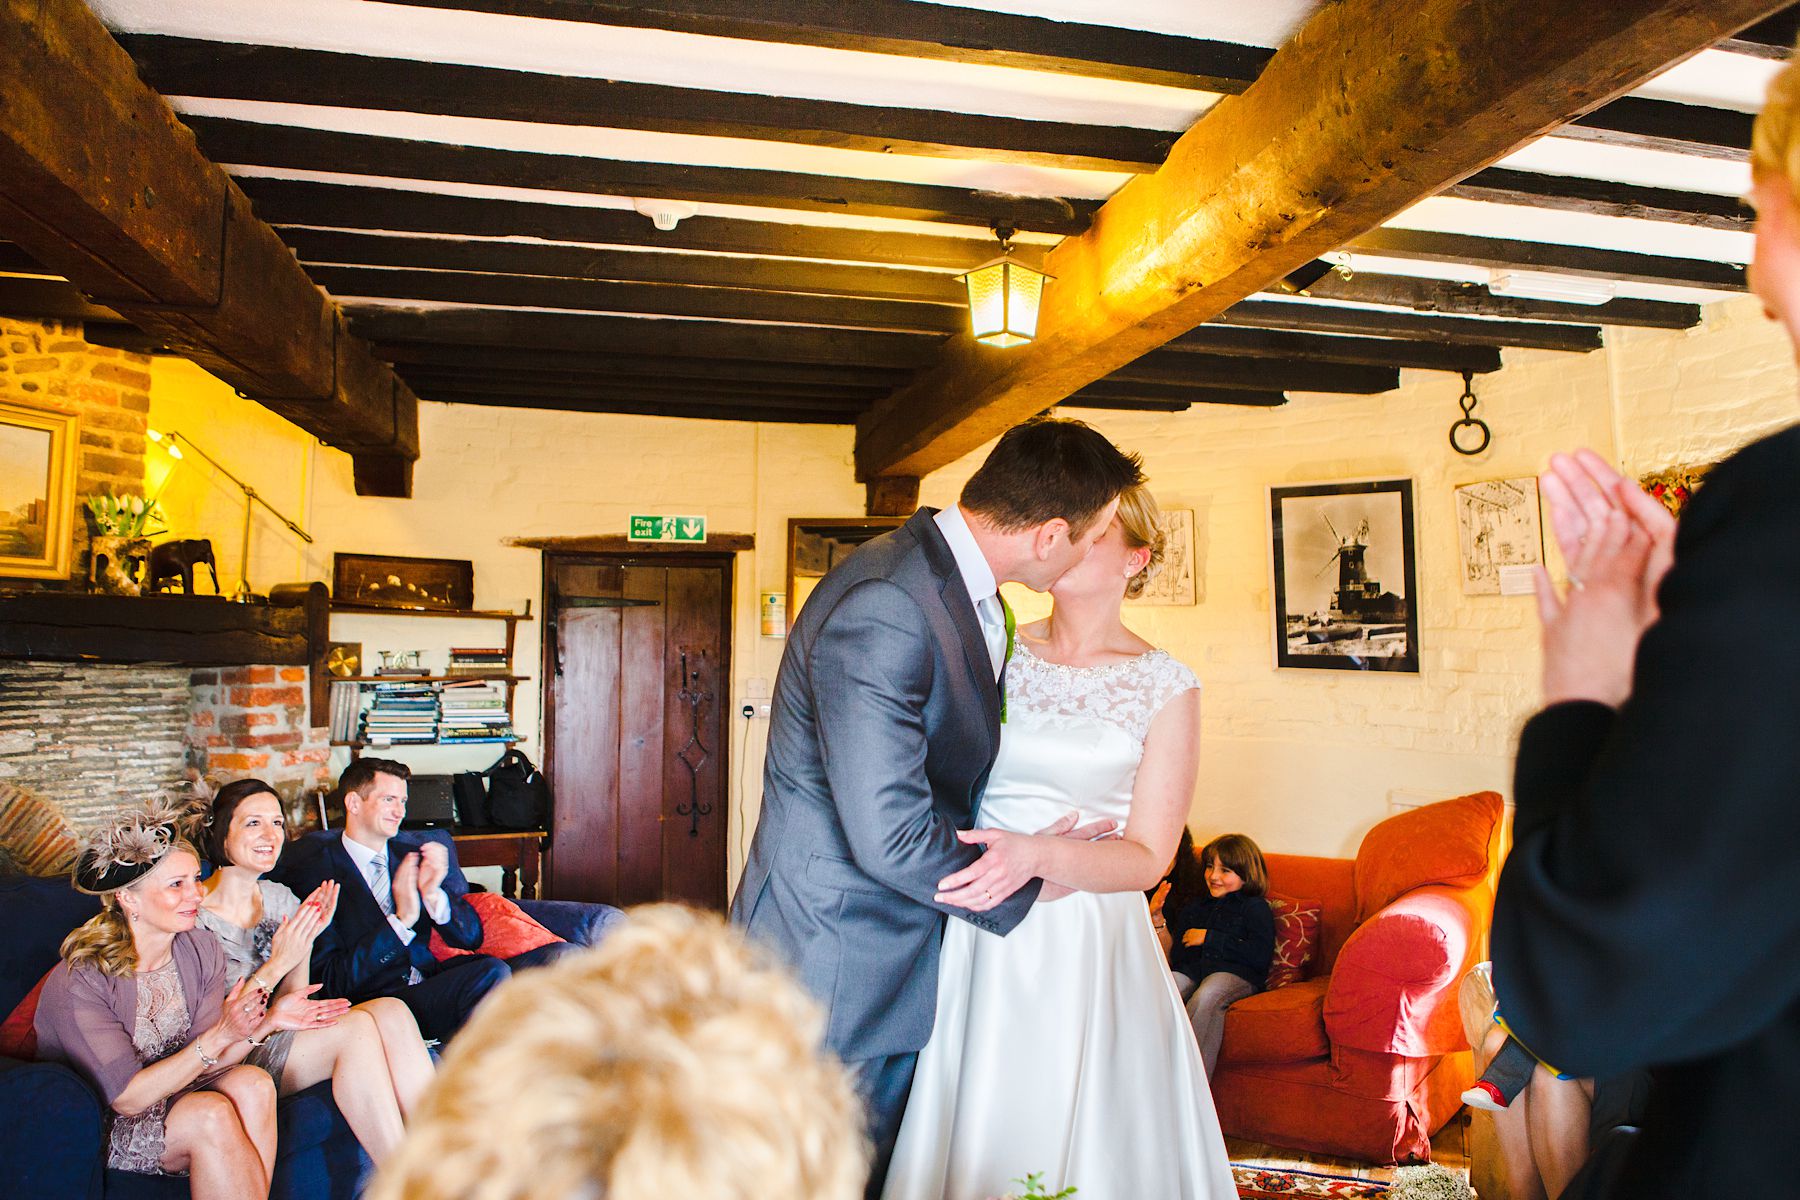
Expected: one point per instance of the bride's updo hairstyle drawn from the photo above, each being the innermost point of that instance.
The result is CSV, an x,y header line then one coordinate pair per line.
x,y
1141,520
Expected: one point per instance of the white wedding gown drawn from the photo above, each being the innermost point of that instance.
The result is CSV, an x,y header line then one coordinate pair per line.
x,y
1063,1048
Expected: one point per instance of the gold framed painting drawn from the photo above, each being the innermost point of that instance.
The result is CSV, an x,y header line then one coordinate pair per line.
x,y
37,491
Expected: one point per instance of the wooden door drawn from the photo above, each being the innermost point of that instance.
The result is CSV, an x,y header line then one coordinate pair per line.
x,y
637,660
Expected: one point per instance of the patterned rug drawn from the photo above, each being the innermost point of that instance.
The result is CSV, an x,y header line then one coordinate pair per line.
x,y
1272,1183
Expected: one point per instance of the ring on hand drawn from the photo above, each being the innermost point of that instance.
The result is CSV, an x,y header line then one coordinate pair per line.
x,y
1575,582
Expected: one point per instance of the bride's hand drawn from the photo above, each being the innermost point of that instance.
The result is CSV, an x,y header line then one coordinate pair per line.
x,y
1009,863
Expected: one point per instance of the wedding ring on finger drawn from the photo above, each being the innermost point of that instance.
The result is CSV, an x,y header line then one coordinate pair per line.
x,y
1575,583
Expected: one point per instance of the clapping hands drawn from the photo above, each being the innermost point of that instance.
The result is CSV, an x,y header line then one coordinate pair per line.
x,y
298,1010
293,941
1618,543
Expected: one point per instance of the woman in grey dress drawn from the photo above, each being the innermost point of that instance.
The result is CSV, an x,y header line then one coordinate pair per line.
x,y
374,1057
139,1006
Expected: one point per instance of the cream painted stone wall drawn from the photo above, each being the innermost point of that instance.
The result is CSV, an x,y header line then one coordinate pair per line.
x,y
1306,761
488,474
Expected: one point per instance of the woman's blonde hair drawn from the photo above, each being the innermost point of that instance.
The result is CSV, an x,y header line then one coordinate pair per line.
x,y
103,941
1774,149
1141,519
674,1059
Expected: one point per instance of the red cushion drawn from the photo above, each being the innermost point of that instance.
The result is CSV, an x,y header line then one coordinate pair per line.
x,y
506,930
1448,842
1296,938
1393,990
18,1036
1286,1025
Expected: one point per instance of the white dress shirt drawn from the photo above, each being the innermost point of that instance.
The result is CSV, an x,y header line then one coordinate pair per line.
x,y
978,578
364,858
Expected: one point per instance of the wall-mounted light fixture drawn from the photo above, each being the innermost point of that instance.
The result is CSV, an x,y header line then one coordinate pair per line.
x,y
1004,296
168,441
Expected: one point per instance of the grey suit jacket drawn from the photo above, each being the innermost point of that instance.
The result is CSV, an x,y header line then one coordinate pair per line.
x,y
885,724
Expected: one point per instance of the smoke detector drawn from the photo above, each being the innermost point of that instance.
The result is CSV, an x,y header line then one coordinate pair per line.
x,y
666,214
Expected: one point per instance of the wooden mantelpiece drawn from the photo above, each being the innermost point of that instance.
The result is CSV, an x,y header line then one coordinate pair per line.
x,y
200,631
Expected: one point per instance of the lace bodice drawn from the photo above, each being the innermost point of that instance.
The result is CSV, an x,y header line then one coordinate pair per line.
x,y
1127,694
1074,737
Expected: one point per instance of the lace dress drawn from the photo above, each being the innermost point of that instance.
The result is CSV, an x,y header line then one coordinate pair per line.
x,y
248,949
162,1028
1063,1048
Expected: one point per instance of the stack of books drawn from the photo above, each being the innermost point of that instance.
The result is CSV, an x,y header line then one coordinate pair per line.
x,y
474,712
401,714
346,699
475,660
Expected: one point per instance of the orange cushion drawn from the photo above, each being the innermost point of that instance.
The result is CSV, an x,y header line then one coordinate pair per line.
x,y
506,930
1448,842
18,1036
1285,1025
1296,938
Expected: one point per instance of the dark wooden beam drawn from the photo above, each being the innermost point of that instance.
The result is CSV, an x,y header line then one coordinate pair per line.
x,y
638,335
340,206
41,299
1151,397
673,300
1306,347
336,247
628,389
1475,300
75,627
1365,110
1505,253
1261,374
407,355
178,66
424,379
892,496
618,543
1604,198
1641,124
14,258
1772,38
100,183
915,30
651,407
1455,331
248,143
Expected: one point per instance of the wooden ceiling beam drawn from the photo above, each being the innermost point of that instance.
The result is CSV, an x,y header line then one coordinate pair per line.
x,y
916,30
1307,347
670,300
340,248
1265,374
1771,39
653,407
1153,397
249,143
504,358
1453,298
1510,253
1366,109
37,299
639,335
1641,124
1604,198
749,401
100,183
1395,323
284,202
422,377
177,66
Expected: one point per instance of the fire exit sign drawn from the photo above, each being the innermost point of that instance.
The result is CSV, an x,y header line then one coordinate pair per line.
x,y
667,529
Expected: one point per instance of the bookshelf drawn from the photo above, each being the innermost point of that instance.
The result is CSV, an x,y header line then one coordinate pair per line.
x,y
417,686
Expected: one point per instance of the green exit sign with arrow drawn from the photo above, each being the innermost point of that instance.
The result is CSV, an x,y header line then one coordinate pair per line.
x,y
666,529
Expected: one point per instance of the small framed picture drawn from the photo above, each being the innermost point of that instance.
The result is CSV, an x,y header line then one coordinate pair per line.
x,y
37,491
1501,534
389,581
1345,583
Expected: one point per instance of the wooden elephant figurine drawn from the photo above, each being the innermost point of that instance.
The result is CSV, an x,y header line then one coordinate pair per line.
x,y
176,560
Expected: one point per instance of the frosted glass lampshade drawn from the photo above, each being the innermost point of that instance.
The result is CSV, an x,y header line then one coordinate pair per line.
x,y
1003,302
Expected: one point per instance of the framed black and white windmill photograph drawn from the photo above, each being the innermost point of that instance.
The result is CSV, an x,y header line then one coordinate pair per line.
x,y
1345,582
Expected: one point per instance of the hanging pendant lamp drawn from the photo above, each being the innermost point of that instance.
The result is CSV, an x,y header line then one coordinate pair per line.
x,y
1004,296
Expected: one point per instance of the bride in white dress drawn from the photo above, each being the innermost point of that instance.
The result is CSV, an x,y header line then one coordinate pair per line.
x,y
1063,1048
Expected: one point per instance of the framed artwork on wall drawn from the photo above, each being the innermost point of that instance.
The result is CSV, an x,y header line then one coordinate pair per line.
x,y
391,581
1501,533
37,491
1345,582
1175,584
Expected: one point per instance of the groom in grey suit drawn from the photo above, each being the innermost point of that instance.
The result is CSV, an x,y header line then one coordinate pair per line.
x,y
886,722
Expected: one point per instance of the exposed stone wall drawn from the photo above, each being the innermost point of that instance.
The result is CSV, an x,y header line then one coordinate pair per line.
x,y
92,738
252,721
50,365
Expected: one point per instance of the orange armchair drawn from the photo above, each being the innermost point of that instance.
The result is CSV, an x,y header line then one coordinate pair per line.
x,y
1366,1058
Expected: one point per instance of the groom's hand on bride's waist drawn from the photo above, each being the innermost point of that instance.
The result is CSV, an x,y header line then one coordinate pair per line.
x,y
1010,861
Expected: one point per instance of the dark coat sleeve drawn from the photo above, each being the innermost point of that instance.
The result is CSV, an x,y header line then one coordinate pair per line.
x,y
350,958
871,666
1646,913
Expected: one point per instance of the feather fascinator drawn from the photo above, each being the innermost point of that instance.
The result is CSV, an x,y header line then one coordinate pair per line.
x,y
128,846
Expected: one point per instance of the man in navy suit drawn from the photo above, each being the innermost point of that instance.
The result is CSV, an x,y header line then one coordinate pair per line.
x,y
397,888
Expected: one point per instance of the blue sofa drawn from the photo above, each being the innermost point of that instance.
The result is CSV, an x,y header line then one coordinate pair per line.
x,y
52,1136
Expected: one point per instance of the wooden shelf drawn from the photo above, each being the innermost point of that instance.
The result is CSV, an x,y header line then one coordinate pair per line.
x,y
356,745
484,677
462,614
